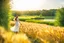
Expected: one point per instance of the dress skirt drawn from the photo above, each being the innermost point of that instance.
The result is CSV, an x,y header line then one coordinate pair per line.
x,y
15,28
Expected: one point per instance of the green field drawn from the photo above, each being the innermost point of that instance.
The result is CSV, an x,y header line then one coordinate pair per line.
x,y
37,19
29,17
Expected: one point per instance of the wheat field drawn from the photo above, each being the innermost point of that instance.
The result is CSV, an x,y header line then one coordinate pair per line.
x,y
34,33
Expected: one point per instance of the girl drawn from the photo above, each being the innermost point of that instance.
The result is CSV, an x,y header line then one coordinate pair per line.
x,y
15,28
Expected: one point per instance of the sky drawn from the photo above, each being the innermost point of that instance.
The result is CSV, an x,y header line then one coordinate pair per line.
x,y
36,4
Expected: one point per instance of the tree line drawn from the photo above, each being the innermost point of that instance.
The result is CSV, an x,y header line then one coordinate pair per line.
x,y
50,12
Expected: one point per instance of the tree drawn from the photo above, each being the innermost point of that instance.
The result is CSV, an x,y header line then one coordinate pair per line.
x,y
4,13
60,17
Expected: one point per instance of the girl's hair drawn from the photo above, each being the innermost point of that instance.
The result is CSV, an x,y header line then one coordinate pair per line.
x,y
16,18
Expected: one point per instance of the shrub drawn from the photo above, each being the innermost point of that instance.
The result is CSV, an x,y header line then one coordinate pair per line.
x,y
60,17
4,13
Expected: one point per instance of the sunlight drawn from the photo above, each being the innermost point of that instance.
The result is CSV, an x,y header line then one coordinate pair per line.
x,y
27,4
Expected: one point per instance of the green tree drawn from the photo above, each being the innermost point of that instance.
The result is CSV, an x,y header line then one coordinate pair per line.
x,y
59,17
4,13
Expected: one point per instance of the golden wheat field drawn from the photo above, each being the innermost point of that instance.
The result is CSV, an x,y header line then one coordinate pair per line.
x,y
33,33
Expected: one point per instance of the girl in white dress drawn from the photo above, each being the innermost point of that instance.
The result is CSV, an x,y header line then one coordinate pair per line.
x,y
15,28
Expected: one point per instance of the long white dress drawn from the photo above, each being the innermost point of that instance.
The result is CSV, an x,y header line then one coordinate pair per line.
x,y
15,28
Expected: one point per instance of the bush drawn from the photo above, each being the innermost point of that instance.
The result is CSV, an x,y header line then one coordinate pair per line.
x,y
41,22
48,23
59,17
4,13
38,18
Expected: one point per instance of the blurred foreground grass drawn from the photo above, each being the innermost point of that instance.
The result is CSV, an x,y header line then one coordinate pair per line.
x,y
10,37
34,33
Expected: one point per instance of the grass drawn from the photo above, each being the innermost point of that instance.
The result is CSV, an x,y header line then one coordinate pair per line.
x,y
49,20
48,17
35,33
37,19
10,37
28,17
45,21
43,33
